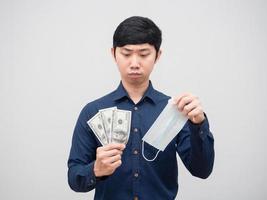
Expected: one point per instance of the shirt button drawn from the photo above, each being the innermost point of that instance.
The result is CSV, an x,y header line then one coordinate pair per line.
x,y
135,130
136,175
135,152
135,108
92,181
201,132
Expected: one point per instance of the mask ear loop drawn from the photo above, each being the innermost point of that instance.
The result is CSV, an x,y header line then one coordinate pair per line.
x,y
149,160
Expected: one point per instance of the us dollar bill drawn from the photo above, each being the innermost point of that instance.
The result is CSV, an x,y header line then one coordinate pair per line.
x,y
121,126
107,118
96,124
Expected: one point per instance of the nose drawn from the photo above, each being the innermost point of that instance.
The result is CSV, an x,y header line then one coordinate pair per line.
x,y
135,63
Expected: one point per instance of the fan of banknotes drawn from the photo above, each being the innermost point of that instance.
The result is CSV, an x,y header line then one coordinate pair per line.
x,y
111,125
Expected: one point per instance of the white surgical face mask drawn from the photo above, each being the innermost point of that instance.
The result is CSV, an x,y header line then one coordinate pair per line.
x,y
164,129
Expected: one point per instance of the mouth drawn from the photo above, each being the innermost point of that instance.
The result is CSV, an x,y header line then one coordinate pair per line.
x,y
134,74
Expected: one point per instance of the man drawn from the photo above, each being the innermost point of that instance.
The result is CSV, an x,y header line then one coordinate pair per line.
x,y
117,171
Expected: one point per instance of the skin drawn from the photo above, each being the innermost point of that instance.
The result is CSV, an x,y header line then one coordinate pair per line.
x,y
135,64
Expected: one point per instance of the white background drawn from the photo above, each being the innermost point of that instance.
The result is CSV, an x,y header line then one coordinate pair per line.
x,y
55,57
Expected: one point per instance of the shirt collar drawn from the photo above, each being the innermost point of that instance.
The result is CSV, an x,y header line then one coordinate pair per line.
x,y
151,94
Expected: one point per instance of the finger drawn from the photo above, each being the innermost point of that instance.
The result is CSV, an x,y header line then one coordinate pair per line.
x,y
184,101
114,146
116,164
110,153
99,150
189,107
112,159
177,99
195,112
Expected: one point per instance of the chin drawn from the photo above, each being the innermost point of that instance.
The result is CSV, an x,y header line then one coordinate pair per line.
x,y
137,81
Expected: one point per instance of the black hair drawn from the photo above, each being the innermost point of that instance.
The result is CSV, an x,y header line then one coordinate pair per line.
x,y
137,30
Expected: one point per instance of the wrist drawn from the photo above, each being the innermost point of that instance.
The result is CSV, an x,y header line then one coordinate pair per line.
x,y
197,120
96,171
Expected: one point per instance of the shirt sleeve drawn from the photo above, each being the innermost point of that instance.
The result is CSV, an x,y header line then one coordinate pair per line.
x,y
195,146
81,177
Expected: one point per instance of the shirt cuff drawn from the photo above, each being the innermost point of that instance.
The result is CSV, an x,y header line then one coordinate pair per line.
x,y
200,130
91,179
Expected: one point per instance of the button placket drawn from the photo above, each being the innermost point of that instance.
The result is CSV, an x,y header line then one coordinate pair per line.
x,y
135,149
135,152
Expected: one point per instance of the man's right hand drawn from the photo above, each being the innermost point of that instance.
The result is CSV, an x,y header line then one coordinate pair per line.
x,y
108,159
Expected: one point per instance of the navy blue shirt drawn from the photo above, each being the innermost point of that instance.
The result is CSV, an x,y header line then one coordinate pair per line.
x,y
136,177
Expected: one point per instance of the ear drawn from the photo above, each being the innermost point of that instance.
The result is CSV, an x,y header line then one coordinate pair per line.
x,y
158,55
112,51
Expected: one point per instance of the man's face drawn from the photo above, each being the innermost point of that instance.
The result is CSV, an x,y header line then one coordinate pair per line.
x,y
135,62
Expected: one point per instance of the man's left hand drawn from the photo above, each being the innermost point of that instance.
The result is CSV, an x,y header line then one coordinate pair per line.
x,y
190,106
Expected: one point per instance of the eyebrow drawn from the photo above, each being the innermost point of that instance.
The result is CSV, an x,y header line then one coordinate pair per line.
x,y
140,50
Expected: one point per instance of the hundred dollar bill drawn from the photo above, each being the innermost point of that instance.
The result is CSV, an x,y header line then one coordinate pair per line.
x,y
107,118
97,126
121,126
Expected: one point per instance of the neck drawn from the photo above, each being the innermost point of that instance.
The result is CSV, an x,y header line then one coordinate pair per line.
x,y
135,91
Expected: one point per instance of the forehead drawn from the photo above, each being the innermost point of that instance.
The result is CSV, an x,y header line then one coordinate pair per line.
x,y
137,47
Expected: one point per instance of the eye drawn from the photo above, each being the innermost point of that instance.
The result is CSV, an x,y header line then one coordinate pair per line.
x,y
144,55
126,54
